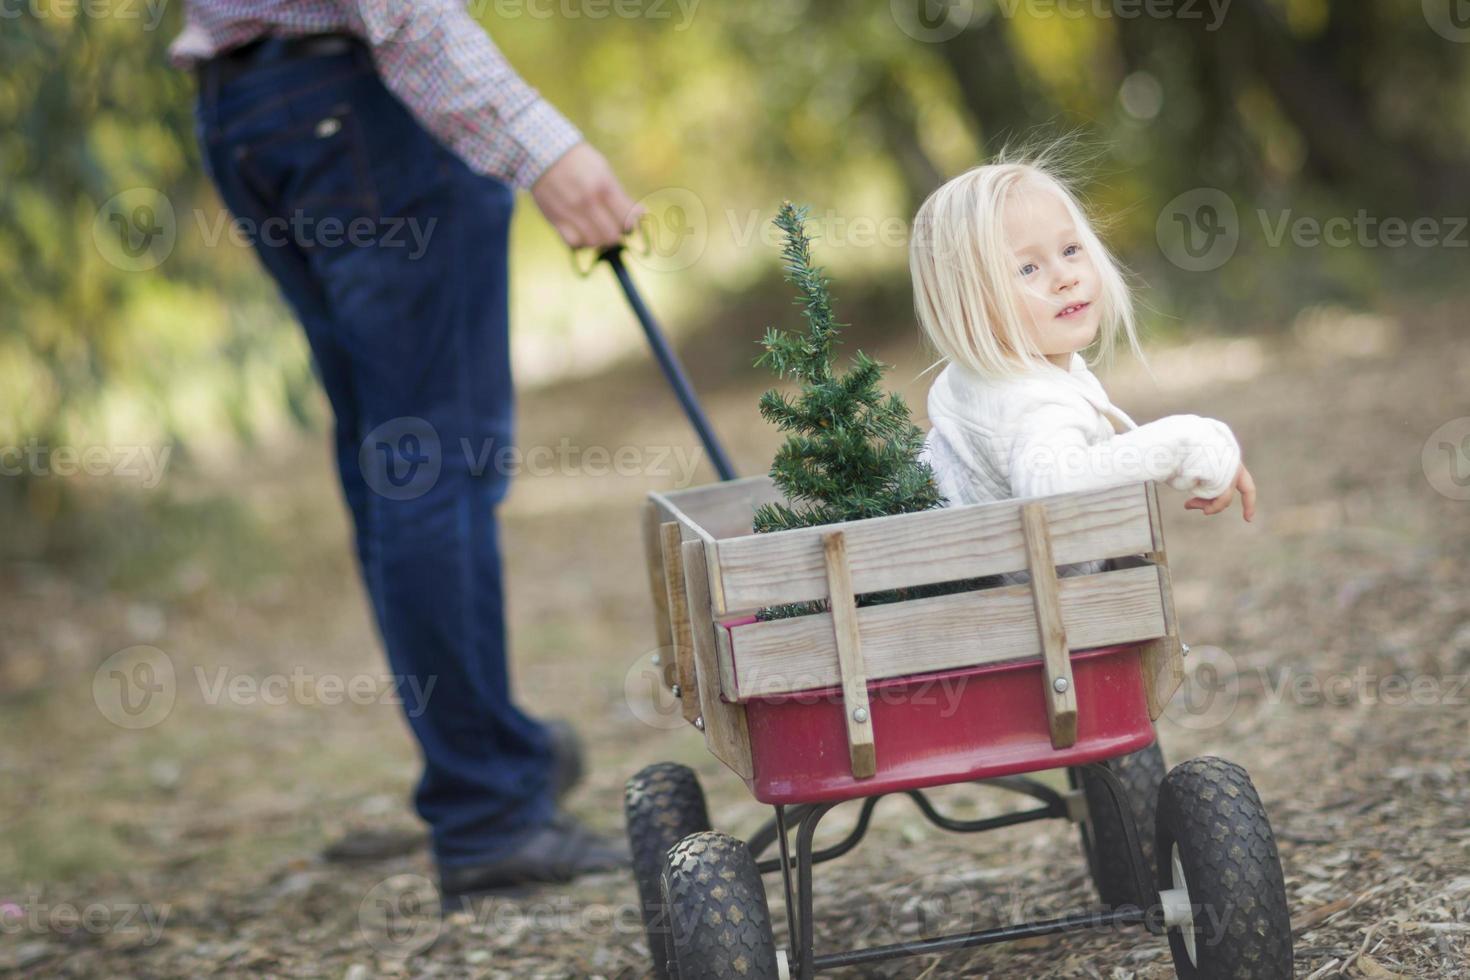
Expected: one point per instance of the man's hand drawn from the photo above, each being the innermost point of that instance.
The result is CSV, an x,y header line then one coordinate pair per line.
x,y
1243,483
583,200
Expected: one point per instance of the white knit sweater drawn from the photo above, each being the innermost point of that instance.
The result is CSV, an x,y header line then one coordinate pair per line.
x,y
1057,432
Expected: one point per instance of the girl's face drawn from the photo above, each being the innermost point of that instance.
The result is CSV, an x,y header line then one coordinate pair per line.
x,y
1056,280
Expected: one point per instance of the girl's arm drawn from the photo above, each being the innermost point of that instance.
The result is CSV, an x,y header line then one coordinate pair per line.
x,y
1188,452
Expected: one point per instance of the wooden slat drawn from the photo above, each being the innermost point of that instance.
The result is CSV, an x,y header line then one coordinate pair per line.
x,y
681,664
673,575
1061,696
1162,660
725,732
939,545
850,667
653,554
946,632
726,656
721,510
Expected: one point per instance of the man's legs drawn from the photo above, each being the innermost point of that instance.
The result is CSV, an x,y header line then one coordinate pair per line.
x,y
435,416
408,325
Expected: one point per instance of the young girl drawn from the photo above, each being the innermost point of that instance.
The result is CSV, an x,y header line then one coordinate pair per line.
x,y
1010,282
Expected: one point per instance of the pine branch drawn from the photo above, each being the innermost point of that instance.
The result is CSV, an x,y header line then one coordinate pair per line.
x,y
851,451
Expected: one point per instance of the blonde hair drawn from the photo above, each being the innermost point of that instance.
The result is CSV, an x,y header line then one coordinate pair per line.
x,y
965,292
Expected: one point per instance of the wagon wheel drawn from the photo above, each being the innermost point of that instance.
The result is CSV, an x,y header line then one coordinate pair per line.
x,y
717,909
1220,881
1104,840
663,804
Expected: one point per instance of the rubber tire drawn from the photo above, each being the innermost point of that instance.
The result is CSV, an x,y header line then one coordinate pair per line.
x,y
717,904
1210,808
662,804
1103,839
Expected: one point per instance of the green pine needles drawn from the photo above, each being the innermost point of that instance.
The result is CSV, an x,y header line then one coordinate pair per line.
x,y
853,451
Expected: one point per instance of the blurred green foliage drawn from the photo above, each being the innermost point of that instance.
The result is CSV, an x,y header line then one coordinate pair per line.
x,y
89,351
717,112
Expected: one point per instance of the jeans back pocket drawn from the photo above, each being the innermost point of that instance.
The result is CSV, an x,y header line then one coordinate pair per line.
x,y
314,180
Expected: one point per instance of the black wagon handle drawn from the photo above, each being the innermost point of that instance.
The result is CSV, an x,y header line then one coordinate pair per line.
x,y
669,362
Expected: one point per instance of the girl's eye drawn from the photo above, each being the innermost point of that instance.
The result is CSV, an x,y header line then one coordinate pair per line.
x,y
1028,268
1072,249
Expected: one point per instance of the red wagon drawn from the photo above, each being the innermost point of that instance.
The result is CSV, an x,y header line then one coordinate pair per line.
x,y
1059,672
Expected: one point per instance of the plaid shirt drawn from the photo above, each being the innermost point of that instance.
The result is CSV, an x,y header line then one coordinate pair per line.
x,y
430,53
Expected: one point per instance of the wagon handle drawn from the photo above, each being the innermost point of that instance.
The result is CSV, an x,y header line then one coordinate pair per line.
x,y
669,362
642,245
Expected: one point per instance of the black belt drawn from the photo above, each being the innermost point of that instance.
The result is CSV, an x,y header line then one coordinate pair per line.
x,y
236,61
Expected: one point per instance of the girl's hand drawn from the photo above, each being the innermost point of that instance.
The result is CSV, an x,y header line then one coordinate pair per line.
x,y
1243,483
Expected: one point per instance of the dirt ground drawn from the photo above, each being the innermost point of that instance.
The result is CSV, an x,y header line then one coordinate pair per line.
x,y
1331,645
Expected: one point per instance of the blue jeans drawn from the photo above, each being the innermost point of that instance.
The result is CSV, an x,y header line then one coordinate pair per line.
x,y
392,253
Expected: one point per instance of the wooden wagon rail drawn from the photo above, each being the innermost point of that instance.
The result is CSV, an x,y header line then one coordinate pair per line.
x,y
709,575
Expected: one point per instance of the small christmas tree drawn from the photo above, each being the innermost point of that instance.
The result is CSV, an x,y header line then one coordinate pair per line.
x,y
853,451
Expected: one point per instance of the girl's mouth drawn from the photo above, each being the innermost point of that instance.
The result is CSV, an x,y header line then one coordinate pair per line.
x,y
1075,309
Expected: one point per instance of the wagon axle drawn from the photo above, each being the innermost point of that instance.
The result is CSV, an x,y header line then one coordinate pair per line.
x,y
1056,806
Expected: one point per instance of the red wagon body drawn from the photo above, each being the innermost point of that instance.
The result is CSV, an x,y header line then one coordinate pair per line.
x,y
950,727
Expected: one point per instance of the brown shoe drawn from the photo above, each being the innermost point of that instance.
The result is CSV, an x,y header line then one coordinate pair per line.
x,y
374,844
378,844
568,767
554,853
